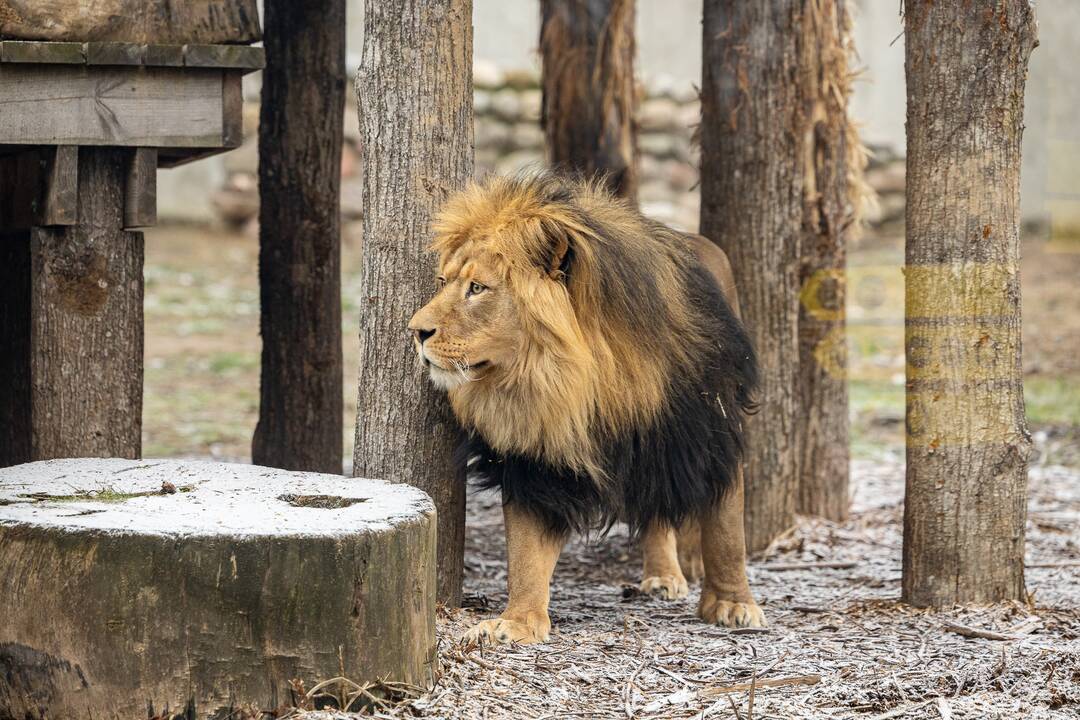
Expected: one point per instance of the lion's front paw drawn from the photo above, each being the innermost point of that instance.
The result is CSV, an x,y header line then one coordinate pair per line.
x,y
669,587
716,610
498,631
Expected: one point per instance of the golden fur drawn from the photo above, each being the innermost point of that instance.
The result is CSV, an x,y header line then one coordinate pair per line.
x,y
560,383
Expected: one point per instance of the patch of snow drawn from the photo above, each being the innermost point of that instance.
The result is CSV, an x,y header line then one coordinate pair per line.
x,y
208,499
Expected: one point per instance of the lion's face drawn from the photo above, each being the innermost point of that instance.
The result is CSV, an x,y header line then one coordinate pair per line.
x,y
471,329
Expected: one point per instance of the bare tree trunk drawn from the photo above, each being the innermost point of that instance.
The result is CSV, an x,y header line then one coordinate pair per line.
x,y
300,136
752,205
831,156
967,444
589,95
414,89
86,322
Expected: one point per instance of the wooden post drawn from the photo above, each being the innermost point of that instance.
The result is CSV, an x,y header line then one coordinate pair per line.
x,y
300,137
588,83
414,88
967,441
86,300
752,195
15,444
831,154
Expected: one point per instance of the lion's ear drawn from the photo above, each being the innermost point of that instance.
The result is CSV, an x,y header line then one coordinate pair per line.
x,y
558,251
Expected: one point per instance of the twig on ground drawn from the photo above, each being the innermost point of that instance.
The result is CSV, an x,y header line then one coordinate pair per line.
x,y
772,683
976,632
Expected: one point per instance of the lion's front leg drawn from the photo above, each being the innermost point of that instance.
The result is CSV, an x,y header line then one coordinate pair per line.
x,y
725,592
531,553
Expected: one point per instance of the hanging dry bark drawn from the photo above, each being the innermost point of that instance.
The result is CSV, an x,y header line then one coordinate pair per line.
x,y
588,81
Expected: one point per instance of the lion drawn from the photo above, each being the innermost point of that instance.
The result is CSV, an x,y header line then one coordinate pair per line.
x,y
596,361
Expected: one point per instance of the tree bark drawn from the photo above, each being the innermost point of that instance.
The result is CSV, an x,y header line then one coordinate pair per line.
x,y
211,596
138,21
967,439
588,84
300,137
414,89
831,154
86,322
753,135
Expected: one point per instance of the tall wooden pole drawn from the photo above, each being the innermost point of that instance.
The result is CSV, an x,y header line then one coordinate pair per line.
x,y
300,137
967,442
588,82
414,88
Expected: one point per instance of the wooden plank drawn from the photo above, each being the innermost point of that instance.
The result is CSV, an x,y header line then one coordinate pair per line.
x,y
224,56
164,55
232,110
140,189
137,21
59,201
120,106
37,188
115,53
63,53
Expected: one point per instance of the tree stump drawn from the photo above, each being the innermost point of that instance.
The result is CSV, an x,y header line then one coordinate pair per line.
x,y
143,588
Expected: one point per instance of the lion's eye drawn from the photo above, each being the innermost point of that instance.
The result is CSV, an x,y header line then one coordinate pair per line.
x,y
476,288
440,282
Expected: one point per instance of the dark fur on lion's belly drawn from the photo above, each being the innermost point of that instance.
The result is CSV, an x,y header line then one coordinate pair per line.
x,y
676,467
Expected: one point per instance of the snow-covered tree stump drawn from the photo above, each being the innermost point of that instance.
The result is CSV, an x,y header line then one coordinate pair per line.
x,y
128,587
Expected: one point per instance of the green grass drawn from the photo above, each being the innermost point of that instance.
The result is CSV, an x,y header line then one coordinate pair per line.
x,y
1053,400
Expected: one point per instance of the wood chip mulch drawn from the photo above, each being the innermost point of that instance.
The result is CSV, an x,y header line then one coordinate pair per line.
x,y
839,644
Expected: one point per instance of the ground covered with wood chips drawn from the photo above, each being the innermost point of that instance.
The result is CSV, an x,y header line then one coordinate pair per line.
x,y
839,644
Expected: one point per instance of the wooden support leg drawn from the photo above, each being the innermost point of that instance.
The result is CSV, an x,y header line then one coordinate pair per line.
x,y
15,344
86,299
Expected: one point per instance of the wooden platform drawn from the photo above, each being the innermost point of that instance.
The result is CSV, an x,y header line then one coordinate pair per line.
x,y
185,101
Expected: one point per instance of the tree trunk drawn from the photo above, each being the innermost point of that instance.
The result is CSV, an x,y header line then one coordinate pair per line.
x,y
414,89
589,95
205,586
300,136
831,154
753,146
86,322
967,443
15,423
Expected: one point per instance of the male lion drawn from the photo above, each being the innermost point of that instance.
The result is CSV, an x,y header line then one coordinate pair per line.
x,y
596,360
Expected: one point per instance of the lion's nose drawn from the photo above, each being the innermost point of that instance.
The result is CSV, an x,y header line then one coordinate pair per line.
x,y
423,334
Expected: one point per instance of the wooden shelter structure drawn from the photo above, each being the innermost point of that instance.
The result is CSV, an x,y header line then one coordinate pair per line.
x,y
92,103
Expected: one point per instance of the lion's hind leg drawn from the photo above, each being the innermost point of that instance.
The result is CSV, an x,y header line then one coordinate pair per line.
x,y
661,574
725,593
688,540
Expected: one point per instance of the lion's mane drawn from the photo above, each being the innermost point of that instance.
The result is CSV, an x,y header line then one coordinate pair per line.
x,y
627,400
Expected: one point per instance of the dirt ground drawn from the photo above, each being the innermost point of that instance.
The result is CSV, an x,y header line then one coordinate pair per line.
x,y
839,645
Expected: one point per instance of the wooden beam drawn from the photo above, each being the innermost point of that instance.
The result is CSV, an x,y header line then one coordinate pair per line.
x,y
232,110
62,53
224,56
59,197
140,189
115,106
37,188
114,53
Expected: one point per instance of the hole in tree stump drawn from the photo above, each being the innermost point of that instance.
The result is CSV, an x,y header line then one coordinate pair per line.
x,y
326,502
